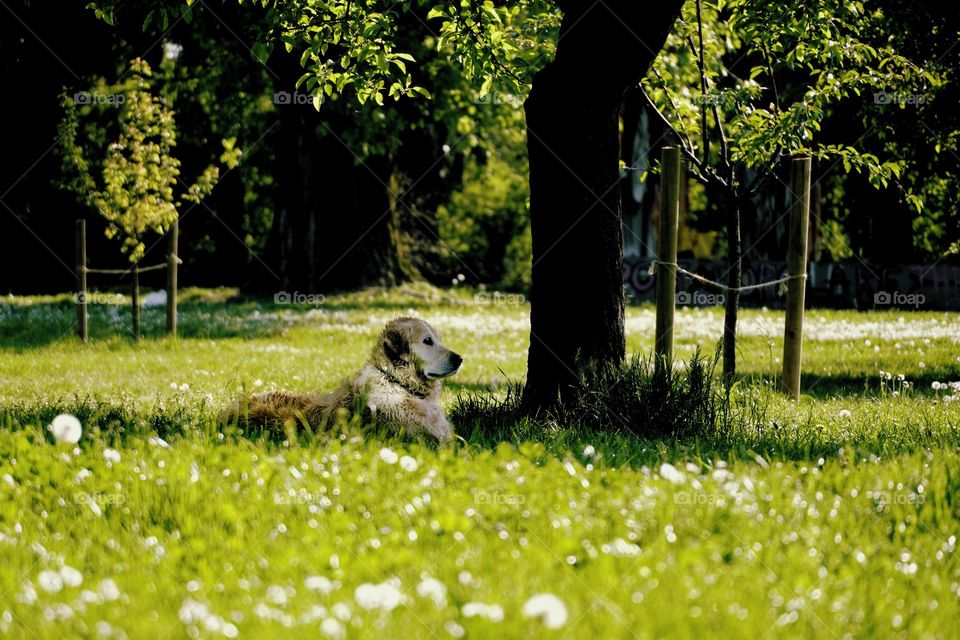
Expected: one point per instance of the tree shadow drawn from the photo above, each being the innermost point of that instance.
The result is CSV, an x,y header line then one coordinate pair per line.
x,y
826,386
24,327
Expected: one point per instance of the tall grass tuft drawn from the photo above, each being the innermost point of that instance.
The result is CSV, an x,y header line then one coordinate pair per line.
x,y
635,398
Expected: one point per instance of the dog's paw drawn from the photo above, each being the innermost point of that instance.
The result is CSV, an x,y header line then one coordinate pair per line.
x,y
439,427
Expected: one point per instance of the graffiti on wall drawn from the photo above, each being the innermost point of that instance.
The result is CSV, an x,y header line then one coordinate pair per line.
x,y
830,284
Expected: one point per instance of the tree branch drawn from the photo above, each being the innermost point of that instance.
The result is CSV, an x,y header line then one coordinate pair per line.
x,y
702,173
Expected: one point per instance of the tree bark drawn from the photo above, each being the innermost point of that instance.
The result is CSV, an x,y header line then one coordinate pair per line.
x,y
576,295
734,280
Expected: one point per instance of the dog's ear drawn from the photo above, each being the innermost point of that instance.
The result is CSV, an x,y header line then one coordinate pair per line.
x,y
395,344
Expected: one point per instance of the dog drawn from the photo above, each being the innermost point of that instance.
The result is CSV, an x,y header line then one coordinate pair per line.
x,y
397,388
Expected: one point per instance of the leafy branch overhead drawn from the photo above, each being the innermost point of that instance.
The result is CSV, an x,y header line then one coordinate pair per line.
x,y
138,176
352,47
746,82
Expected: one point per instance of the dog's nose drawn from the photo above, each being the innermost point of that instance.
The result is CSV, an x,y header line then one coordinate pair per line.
x,y
456,359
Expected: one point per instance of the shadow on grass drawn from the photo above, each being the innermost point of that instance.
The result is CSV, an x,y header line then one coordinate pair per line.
x,y
745,435
835,385
43,324
53,319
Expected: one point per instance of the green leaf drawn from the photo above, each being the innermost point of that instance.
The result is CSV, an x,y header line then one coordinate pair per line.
x,y
261,51
485,87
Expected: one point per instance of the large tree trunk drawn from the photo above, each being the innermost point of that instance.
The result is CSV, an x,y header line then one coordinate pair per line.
x,y
576,294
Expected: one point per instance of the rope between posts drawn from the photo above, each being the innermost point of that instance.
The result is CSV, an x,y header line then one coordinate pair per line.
x,y
124,272
750,287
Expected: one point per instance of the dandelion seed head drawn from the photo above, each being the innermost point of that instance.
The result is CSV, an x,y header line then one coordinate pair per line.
x,y
66,429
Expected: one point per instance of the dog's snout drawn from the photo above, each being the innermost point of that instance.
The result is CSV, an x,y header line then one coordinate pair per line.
x,y
456,359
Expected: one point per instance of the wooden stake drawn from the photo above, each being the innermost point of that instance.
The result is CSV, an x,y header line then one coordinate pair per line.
x,y
172,279
135,300
667,254
82,324
796,268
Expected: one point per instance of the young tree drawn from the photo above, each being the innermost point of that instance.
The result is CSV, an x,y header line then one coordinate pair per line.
x,y
736,122
138,174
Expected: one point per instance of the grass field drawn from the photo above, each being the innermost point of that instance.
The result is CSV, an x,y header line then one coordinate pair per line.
x,y
836,517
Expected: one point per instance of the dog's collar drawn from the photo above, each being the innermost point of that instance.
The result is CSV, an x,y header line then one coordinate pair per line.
x,y
394,380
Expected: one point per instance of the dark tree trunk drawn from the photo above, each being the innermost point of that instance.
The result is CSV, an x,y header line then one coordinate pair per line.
x,y
576,294
336,220
734,280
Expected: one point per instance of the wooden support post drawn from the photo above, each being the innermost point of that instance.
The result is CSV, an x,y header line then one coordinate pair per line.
x,y
135,301
667,254
172,260
796,269
81,296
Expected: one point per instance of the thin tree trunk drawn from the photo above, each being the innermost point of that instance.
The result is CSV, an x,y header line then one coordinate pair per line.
x,y
576,296
734,280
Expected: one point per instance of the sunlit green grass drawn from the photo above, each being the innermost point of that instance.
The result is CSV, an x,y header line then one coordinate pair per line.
x,y
835,517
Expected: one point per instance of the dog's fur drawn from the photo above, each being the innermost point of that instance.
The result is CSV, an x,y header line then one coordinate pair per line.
x,y
398,386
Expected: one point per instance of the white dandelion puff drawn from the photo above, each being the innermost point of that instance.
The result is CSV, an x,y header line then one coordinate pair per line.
x,y
320,584
66,429
50,581
492,612
71,577
383,596
672,474
434,590
333,628
548,608
108,590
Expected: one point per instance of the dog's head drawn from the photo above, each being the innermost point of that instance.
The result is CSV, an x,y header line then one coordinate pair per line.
x,y
412,346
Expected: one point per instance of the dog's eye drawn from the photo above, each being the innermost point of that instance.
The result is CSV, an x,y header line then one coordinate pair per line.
x,y
428,341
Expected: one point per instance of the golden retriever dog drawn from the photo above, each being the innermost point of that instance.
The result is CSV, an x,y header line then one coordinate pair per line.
x,y
398,387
